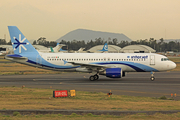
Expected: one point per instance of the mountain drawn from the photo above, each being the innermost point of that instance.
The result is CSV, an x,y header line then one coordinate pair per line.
x,y
87,35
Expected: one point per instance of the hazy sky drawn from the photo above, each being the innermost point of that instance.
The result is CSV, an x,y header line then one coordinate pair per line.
x,y
137,19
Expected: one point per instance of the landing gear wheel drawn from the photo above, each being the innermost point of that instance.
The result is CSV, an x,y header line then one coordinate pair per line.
x,y
96,77
91,78
152,78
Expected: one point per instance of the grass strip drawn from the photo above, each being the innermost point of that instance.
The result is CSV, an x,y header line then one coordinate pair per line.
x,y
31,98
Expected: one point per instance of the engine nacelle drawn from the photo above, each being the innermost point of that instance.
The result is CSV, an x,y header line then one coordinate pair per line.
x,y
113,72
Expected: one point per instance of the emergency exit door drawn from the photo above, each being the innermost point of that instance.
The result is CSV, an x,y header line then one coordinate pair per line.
x,y
152,60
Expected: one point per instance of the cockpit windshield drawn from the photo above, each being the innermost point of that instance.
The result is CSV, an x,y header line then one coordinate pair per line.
x,y
164,59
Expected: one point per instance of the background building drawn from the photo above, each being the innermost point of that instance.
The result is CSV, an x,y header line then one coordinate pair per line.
x,y
137,49
111,49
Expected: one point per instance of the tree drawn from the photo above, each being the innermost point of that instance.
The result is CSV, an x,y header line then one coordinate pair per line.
x,y
34,42
2,41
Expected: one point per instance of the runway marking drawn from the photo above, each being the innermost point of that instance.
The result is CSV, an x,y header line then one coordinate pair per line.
x,y
66,83
100,79
115,84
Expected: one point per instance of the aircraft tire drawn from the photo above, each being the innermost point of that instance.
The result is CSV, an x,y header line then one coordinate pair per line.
x,y
96,77
152,78
91,78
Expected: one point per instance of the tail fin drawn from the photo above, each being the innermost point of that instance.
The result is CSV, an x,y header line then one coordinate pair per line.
x,y
105,47
19,42
81,49
58,47
51,49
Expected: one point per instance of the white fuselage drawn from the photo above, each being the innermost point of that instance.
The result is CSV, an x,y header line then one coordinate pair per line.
x,y
129,62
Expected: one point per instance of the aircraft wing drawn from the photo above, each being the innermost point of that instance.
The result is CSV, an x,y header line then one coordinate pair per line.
x,y
94,67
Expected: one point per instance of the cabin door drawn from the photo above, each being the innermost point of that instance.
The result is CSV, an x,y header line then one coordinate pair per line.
x,y
152,60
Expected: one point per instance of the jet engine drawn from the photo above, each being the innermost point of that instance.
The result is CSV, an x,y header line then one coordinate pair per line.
x,y
112,72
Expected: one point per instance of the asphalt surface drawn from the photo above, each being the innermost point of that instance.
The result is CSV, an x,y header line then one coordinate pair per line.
x,y
83,112
133,84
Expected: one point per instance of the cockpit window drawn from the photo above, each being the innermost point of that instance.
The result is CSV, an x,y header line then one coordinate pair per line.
x,y
164,59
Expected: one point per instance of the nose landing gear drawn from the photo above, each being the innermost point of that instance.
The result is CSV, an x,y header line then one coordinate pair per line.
x,y
94,77
152,76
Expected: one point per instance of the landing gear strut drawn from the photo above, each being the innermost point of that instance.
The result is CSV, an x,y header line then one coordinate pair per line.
x,y
94,77
152,76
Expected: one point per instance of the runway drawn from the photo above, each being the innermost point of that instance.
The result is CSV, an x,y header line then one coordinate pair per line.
x,y
133,84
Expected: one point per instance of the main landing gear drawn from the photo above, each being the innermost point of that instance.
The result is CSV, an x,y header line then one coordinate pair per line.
x,y
152,76
94,77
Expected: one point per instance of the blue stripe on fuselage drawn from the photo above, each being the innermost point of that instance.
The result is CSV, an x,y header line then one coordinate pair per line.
x,y
136,66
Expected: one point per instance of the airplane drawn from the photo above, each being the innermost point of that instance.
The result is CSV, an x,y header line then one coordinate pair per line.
x,y
58,47
112,65
51,49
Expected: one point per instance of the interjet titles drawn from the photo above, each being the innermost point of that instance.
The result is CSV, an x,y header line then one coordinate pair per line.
x,y
139,57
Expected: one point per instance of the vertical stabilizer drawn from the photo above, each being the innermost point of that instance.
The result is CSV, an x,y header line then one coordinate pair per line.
x,y
19,42
51,49
105,47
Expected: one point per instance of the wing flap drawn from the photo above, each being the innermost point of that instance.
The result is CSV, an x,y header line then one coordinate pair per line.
x,y
88,65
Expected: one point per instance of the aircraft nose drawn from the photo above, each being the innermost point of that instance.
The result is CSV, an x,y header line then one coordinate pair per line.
x,y
173,65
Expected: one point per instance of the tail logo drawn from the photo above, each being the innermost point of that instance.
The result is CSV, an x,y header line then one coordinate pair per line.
x,y
105,47
20,43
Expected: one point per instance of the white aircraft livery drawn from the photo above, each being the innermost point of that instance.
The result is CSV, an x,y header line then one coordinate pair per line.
x,y
113,65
